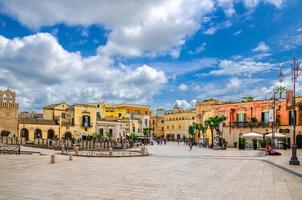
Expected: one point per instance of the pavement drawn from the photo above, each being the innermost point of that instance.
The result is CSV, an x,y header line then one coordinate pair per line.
x,y
170,172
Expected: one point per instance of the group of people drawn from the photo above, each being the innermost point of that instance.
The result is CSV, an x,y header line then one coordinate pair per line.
x,y
161,140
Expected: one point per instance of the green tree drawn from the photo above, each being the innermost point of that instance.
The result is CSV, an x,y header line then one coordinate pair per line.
x,y
280,90
146,132
247,98
214,123
191,130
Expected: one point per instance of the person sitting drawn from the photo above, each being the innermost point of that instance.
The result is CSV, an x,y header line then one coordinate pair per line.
x,y
269,149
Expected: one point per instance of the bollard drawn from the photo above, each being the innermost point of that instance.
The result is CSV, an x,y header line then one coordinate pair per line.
x,y
143,150
52,159
110,151
70,157
76,150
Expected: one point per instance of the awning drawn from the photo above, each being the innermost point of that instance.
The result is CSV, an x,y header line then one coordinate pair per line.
x,y
276,135
252,134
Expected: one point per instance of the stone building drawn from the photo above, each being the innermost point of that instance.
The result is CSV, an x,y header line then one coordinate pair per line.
x,y
157,122
244,117
8,113
177,122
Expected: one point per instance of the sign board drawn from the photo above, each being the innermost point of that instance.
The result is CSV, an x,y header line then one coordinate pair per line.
x,y
271,115
289,100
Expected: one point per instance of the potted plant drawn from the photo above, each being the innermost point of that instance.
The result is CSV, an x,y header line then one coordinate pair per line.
x,y
254,140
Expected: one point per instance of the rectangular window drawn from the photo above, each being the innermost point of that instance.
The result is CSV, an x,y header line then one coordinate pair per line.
x,y
63,115
241,117
146,122
133,129
162,121
264,117
292,115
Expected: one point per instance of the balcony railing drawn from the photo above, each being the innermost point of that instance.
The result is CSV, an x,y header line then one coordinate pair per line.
x,y
249,124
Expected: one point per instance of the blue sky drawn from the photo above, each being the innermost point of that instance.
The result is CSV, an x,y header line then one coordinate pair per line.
x,y
158,53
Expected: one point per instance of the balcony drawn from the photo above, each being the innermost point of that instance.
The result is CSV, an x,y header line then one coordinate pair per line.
x,y
249,124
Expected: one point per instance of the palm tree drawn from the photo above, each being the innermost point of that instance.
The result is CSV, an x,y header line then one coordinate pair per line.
x,y
202,128
280,90
213,123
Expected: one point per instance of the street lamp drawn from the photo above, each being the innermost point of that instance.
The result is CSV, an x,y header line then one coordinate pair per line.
x,y
274,126
296,71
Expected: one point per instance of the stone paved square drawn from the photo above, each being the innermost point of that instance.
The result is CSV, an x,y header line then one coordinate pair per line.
x,y
170,172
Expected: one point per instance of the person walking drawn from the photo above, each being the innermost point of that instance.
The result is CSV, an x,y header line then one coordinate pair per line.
x,y
190,144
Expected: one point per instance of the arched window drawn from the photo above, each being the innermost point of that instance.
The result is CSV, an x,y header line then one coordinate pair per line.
x,y
86,120
68,136
24,133
98,115
50,134
38,134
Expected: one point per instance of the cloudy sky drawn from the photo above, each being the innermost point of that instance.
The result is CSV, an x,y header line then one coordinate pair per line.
x,y
149,52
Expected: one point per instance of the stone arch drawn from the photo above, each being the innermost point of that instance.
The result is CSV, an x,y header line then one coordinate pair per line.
x,y
50,134
68,135
38,134
24,133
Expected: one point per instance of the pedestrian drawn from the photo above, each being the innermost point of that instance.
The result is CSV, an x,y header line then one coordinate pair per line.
x,y
165,141
190,145
178,141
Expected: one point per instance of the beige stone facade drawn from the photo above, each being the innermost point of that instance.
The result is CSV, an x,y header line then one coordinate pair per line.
x,y
177,122
8,113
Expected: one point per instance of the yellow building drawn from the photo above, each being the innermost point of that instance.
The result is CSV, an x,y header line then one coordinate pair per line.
x,y
8,113
157,123
177,122
137,117
106,111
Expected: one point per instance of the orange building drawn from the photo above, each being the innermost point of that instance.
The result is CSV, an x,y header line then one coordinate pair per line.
x,y
244,117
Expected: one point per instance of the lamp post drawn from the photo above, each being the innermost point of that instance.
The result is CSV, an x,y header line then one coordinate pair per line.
x,y
296,71
274,125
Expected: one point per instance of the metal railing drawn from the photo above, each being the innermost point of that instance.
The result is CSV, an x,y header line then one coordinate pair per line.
x,y
9,149
249,124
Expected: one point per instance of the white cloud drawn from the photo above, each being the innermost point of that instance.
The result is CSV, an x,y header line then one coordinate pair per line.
x,y
135,28
245,67
185,104
228,6
262,47
199,49
237,33
183,87
233,89
212,30
254,3
43,72
140,27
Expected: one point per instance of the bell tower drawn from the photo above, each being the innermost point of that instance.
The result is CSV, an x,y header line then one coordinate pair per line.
x,y
8,113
